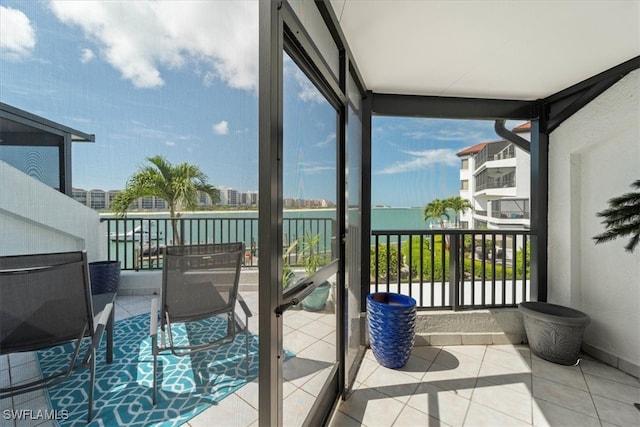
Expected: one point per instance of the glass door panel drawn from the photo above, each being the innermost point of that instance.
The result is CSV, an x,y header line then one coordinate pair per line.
x,y
354,349
309,243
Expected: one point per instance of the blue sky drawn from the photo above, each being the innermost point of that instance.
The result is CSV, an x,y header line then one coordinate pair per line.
x,y
180,80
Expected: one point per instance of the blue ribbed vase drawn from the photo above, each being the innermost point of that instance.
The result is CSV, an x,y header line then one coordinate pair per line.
x,y
104,276
392,322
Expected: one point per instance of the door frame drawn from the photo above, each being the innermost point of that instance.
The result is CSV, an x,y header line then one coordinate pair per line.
x,y
280,30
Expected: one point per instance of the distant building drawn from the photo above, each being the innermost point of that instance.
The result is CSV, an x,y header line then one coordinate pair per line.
x,y
102,200
495,178
80,196
97,199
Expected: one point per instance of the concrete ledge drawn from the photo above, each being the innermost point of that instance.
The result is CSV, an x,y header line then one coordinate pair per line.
x,y
469,339
149,282
477,327
140,282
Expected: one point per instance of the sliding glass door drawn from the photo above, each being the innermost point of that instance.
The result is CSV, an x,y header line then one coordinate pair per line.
x,y
354,328
310,252
310,216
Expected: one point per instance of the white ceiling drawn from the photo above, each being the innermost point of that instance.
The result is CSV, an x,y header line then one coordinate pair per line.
x,y
518,49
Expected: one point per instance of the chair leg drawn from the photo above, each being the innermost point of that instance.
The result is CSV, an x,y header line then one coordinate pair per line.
x,y
92,368
154,349
246,339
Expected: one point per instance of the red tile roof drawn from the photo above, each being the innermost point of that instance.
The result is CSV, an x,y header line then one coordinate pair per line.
x,y
476,148
472,150
523,127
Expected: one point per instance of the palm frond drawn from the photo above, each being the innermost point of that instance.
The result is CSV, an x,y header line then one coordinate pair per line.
x,y
622,219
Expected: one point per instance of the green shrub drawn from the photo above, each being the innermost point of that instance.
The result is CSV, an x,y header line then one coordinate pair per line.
x,y
527,261
392,250
424,269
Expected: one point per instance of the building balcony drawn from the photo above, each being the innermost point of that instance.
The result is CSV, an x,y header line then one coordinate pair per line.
x,y
494,151
496,164
498,182
452,378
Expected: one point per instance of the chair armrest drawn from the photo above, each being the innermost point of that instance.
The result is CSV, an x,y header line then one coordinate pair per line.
x,y
244,306
98,329
102,317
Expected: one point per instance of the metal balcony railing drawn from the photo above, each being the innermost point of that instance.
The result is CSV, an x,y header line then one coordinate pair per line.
x,y
138,242
453,269
484,181
494,151
510,214
441,269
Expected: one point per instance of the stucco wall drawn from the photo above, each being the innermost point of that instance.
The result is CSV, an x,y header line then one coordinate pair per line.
x,y
34,218
523,173
594,156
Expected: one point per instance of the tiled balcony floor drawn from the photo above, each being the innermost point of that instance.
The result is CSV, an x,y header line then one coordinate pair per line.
x,y
497,385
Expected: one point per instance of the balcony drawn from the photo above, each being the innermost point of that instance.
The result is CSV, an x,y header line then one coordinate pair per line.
x,y
493,152
444,383
499,182
454,376
489,381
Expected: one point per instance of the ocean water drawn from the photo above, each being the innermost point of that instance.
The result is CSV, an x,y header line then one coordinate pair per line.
x,y
398,219
388,218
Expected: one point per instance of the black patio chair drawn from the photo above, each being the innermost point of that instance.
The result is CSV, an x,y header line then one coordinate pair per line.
x,y
45,301
199,282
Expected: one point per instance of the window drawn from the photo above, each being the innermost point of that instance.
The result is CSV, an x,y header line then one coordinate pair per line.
x,y
464,184
464,164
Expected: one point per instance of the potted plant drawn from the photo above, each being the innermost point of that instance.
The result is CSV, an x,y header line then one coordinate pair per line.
x,y
288,276
311,260
555,332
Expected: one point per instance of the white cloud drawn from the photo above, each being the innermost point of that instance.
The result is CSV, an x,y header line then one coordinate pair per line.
x,y
86,55
446,134
306,90
17,36
330,138
221,128
421,160
460,134
416,134
312,168
170,144
140,38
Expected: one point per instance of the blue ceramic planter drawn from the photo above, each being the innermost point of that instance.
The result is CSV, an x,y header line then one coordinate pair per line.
x,y
105,276
317,299
392,321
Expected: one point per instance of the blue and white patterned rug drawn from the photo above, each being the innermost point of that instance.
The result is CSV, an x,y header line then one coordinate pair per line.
x,y
123,389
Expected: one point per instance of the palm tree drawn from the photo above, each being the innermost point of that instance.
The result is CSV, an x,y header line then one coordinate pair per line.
x,y
178,185
459,205
622,218
436,209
